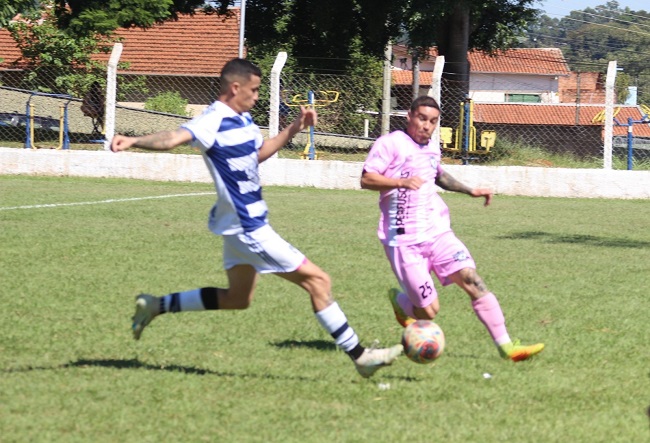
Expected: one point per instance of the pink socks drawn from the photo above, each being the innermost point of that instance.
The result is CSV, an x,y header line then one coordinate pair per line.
x,y
489,311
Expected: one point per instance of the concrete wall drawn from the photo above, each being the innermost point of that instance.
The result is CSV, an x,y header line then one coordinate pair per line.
x,y
506,180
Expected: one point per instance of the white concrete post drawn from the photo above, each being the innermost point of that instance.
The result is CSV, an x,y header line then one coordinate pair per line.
x,y
274,102
385,100
436,87
111,97
610,95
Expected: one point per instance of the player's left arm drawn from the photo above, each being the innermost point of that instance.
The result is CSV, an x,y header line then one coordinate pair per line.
x,y
447,182
307,117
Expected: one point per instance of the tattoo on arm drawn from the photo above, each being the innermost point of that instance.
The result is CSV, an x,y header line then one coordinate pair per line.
x,y
156,142
449,183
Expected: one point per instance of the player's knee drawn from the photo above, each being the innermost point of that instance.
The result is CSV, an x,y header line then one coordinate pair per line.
x,y
428,312
432,310
320,282
243,304
471,281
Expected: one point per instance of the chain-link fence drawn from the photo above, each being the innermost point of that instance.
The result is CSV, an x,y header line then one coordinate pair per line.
x,y
44,120
483,123
492,127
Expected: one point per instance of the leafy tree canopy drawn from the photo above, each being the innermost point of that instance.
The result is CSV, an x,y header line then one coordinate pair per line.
x,y
9,9
86,17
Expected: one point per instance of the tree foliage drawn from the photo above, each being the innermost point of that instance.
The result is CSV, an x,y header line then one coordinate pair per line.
x,y
458,26
9,9
57,62
331,36
331,29
83,17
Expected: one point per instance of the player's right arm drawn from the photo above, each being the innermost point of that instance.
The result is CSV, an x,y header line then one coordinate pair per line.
x,y
380,172
378,182
159,141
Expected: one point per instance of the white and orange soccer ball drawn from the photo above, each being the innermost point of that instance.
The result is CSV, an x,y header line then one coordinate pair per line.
x,y
423,341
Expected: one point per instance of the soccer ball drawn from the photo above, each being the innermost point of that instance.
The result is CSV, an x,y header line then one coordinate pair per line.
x,y
423,341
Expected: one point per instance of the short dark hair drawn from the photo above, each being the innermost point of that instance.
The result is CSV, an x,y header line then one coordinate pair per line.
x,y
238,67
425,100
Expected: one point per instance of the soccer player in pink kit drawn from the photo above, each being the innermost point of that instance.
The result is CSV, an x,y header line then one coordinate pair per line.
x,y
414,227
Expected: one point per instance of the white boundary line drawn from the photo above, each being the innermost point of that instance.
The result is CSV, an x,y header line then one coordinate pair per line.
x,y
113,200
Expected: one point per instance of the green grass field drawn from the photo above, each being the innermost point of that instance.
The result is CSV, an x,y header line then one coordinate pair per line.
x,y
572,273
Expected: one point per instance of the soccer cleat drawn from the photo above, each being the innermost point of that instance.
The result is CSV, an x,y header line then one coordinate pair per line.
x,y
373,359
146,308
517,352
400,315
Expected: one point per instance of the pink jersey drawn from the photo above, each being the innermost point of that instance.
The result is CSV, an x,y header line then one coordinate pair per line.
x,y
408,217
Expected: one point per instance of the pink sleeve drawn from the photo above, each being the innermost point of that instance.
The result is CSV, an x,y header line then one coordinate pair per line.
x,y
379,157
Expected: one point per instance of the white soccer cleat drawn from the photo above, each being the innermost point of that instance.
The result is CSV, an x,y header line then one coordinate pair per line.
x,y
373,359
146,308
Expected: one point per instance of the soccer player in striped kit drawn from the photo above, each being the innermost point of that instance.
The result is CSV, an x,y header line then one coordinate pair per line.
x,y
232,147
415,228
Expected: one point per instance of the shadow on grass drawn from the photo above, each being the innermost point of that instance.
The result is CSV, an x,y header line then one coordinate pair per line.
x,y
134,363
320,345
590,240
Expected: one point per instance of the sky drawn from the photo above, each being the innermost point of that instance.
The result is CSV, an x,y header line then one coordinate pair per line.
x,y
561,8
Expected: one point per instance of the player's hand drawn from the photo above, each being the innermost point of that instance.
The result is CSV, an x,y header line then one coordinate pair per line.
x,y
308,117
411,183
121,143
483,192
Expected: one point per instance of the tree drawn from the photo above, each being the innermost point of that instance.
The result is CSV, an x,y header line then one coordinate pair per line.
x,y
9,9
330,35
84,17
456,27
56,62
322,35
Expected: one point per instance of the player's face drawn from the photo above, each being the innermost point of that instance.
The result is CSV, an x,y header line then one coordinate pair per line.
x,y
421,123
247,93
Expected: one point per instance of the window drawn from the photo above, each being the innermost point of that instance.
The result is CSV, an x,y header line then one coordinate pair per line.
x,y
523,98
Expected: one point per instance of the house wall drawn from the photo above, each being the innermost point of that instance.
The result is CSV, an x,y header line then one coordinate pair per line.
x,y
491,88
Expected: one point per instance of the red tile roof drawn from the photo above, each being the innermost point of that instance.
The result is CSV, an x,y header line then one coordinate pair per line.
x,y
538,61
555,114
402,77
9,52
194,45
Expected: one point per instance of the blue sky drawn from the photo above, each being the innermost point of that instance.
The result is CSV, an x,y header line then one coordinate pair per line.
x,y
561,8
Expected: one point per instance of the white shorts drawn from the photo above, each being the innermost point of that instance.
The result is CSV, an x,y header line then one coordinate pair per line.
x,y
263,249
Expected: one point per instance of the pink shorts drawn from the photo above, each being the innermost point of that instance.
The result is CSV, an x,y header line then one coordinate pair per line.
x,y
413,264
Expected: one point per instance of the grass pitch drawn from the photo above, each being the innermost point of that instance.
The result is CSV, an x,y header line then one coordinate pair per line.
x,y
572,273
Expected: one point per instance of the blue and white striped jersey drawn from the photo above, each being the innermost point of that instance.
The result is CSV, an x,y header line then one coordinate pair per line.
x,y
230,143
